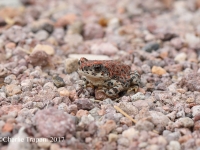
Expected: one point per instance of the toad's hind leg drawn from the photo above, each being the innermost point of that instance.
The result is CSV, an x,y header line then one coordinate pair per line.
x,y
135,81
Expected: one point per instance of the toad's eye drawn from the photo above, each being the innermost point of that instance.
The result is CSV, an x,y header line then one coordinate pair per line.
x,y
86,68
97,68
82,60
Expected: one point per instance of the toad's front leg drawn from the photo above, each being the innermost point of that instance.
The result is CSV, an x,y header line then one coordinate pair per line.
x,y
84,83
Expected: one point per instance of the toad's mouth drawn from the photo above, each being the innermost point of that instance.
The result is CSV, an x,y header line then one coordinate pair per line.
x,y
93,75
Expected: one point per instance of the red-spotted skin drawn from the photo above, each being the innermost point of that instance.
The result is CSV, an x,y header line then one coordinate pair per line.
x,y
111,76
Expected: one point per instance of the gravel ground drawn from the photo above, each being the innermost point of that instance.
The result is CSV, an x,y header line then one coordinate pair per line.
x,y
40,44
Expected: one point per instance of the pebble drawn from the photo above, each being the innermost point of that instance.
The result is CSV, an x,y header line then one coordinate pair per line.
x,y
144,125
174,145
168,36
81,113
85,104
112,137
172,116
130,134
191,81
152,46
146,68
10,79
12,89
86,120
153,147
58,34
128,108
54,146
197,125
94,112
49,86
38,58
125,121
143,145
14,32
58,81
123,141
66,19
197,117
8,108
141,104
57,100
178,43
181,57
106,128
41,35
44,143
64,92
192,39
175,68
195,110
26,85
73,40
99,95
149,37
158,70
42,25
162,141
92,31
49,123
71,65
185,122
8,127
75,28
46,48
2,95
15,99
159,118
2,123
72,109
113,24
88,139
138,96
63,106
104,48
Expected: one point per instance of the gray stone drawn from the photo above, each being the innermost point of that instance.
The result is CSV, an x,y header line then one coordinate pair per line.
x,y
195,110
171,136
174,145
138,96
71,65
41,35
123,141
184,122
152,46
159,118
144,125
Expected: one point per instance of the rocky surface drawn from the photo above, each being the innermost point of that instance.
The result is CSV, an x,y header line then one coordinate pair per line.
x,y
41,101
